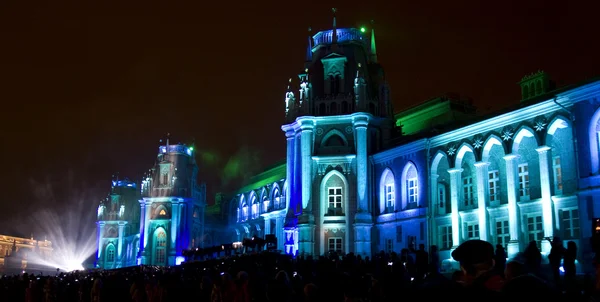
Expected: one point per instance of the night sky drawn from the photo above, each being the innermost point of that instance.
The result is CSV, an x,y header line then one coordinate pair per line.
x,y
88,91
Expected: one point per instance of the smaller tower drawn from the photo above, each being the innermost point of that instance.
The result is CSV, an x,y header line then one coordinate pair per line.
x,y
118,222
373,48
289,99
534,85
360,89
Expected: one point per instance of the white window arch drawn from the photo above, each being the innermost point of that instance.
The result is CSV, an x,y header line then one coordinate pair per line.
x,y
387,189
410,186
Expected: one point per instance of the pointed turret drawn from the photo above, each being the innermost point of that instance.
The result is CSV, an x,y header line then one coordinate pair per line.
x,y
360,88
334,31
289,98
309,46
373,49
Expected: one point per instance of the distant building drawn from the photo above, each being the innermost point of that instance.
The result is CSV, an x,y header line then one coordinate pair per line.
x,y
15,251
153,223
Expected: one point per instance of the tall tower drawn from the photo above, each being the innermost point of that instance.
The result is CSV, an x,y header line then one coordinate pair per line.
x,y
118,225
342,114
172,207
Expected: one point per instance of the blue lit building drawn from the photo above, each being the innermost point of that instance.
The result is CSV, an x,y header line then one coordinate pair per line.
x,y
153,224
358,178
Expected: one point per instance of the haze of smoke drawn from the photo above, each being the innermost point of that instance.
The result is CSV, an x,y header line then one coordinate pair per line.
x,y
65,214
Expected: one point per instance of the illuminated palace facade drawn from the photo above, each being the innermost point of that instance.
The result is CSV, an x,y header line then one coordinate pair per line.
x,y
154,223
361,179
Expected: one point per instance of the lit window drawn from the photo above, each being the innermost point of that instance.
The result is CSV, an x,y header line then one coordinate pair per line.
x,y
413,190
389,197
570,223
335,200
494,185
502,232
524,181
446,237
468,190
162,212
472,231
335,244
535,229
558,180
110,254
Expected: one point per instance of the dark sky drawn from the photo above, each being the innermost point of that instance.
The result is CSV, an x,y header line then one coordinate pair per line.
x,y
89,90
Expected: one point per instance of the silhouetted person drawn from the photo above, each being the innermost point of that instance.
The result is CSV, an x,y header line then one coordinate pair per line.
x,y
500,259
555,257
422,261
514,269
533,258
476,258
569,265
434,262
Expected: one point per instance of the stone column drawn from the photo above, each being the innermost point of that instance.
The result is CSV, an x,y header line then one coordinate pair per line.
x,y
306,143
290,135
306,221
100,242
363,221
360,131
482,197
174,228
433,209
267,227
545,185
512,183
146,226
279,233
455,190
120,246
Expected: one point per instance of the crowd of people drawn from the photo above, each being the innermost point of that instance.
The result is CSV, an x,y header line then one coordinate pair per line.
x,y
266,276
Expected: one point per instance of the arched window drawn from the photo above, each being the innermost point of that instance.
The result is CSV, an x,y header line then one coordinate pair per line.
x,y
410,184
333,190
244,207
387,187
255,206
277,198
110,255
160,247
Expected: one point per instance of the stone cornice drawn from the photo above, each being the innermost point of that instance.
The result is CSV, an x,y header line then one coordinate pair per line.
x,y
566,99
409,148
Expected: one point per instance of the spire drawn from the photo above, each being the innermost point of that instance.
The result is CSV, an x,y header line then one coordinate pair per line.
x,y
309,47
373,49
334,32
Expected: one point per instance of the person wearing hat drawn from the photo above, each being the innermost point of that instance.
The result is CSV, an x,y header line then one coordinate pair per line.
x,y
476,258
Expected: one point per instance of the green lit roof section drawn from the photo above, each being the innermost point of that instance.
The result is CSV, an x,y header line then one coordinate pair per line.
x,y
432,113
267,177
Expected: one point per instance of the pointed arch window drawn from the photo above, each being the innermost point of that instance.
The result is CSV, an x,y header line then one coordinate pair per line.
x,y
277,198
255,207
110,254
160,247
